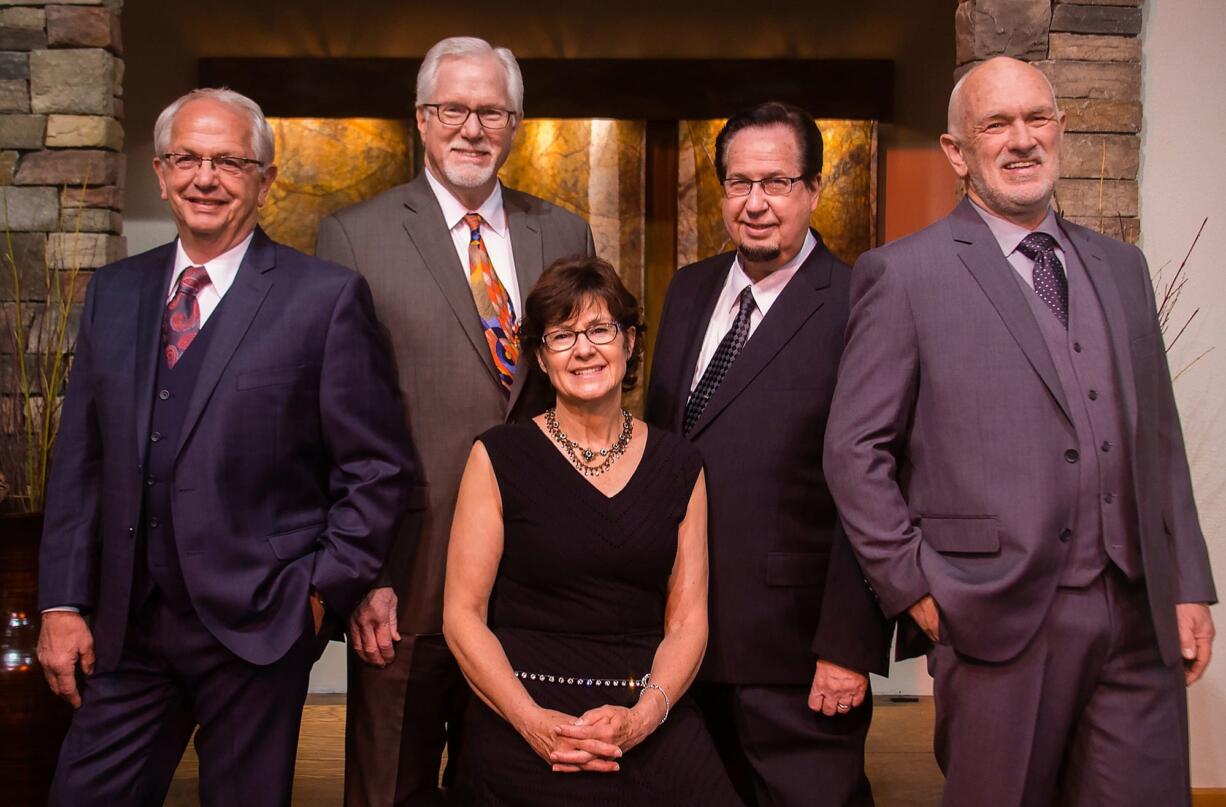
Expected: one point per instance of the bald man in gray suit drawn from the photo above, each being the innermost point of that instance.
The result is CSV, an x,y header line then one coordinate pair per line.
x,y
1006,455
417,247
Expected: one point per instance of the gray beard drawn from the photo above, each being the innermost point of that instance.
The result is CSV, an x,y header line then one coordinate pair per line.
x,y
758,254
468,177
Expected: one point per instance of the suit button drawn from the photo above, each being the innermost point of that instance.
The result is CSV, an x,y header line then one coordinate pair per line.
x,y
1093,395
1106,445
1071,455
1066,535
1076,347
150,481
163,394
1109,497
154,523
155,436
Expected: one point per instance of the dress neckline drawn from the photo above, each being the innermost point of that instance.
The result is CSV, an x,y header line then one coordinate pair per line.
x,y
581,477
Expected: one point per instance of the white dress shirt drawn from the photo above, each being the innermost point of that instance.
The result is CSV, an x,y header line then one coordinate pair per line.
x,y
765,292
494,233
221,271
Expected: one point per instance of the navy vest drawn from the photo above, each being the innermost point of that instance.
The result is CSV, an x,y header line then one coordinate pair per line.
x,y
159,565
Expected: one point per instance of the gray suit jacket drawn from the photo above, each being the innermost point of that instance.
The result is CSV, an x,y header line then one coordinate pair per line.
x,y
399,242
946,444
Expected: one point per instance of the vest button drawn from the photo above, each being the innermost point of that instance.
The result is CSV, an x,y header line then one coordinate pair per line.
x,y
1106,445
154,523
1066,535
155,436
149,481
1076,347
1092,395
1109,497
163,394
1071,455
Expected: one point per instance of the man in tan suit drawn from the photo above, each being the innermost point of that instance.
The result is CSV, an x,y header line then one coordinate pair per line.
x,y
427,249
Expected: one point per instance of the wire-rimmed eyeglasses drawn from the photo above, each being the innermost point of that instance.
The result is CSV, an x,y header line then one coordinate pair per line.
x,y
223,163
771,186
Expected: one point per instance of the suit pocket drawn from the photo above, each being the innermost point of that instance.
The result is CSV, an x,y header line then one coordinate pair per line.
x,y
961,535
254,379
296,543
795,569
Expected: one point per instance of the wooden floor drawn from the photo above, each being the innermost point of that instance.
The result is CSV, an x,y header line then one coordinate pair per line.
x,y
900,763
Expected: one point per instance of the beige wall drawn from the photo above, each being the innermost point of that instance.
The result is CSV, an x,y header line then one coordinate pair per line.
x,y
1182,177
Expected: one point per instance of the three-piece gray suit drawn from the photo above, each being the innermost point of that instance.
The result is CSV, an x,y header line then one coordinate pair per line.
x,y
1034,481
400,243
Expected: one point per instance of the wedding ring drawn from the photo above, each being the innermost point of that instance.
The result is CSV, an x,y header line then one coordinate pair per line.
x,y
842,707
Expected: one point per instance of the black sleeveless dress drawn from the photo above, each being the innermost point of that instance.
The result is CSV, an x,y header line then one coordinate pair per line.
x,y
580,595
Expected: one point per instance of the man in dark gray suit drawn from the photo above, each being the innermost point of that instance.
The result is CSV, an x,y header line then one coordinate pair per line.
x,y
1006,455
449,257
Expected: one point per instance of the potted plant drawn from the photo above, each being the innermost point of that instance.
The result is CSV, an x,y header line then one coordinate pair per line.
x,y
37,335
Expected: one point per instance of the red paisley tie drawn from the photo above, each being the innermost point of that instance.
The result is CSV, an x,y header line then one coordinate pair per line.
x,y
181,322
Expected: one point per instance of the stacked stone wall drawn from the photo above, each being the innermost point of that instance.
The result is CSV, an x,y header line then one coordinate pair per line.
x,y
1091,51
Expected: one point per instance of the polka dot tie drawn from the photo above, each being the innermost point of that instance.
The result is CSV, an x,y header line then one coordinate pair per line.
x,y
1050,282
181,322
729,348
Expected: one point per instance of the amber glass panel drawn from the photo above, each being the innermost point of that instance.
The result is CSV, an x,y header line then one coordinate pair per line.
x,y
846,216
326,164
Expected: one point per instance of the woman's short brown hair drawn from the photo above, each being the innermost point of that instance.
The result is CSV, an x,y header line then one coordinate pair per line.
x,y
566,288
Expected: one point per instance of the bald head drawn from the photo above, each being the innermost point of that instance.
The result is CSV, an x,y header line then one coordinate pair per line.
x,y
990,72
1004,139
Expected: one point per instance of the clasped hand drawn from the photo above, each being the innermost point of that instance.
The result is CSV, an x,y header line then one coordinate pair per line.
x,y
592,742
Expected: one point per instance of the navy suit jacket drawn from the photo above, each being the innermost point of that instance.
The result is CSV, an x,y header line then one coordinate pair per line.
x,y
293,468
785,587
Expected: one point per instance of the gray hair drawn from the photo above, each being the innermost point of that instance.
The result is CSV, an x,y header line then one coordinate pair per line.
x,y
467,47
262,139
955,113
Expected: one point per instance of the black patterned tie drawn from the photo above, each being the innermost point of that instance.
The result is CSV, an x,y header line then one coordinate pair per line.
x,y
729,348
1049,281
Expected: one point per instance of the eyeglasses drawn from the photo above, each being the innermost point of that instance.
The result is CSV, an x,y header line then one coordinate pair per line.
x,y
771,186
222,163
600,333
457,115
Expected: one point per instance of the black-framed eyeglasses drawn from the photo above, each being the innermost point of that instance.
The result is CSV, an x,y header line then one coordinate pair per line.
x,y
457,115
222,163
598,333
771,186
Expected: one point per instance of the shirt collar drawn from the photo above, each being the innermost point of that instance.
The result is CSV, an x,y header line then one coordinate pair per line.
x,y
491,210
768,289
221,270
1008,235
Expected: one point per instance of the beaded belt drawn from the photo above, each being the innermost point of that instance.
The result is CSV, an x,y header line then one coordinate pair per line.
x,y
584,682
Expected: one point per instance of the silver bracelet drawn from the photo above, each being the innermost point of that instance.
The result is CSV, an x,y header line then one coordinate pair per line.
x,y
668,705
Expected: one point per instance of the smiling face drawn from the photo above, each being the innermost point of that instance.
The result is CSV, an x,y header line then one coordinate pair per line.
x,y
768,230
466,159
587,373
1004,140
213,211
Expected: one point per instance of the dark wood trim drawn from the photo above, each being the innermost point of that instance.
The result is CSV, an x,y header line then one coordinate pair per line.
x,y
662,172
629,89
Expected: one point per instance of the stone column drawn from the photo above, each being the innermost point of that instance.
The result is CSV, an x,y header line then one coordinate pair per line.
x,y
61,164
1091,51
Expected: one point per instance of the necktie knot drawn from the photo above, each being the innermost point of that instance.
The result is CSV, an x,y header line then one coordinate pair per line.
x,y
746,302
193,279
473,220
1036,244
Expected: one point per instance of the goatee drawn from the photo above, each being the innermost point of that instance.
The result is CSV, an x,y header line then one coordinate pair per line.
x,y
757,254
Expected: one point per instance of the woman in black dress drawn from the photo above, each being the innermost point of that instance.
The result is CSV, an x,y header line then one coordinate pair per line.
x,y
576,593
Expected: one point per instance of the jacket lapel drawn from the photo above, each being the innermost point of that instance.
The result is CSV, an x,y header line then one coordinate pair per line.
x,y
242,302
800,299
1108,292
529,256
706,296
154,291
428,231
980,253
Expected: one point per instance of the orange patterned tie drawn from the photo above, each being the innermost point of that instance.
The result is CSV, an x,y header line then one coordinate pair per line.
x,y
493,305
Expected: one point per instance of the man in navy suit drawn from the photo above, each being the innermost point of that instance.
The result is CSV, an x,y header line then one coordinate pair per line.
x,y
231,466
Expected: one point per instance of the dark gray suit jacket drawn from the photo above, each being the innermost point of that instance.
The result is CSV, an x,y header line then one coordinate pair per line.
x,y
949,429
784,584
400,243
